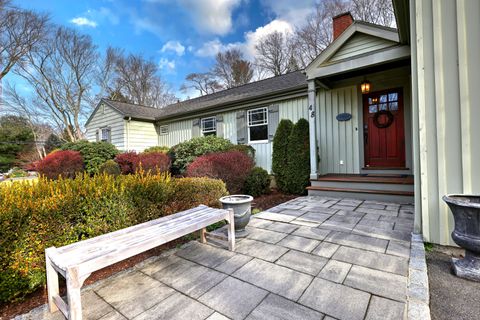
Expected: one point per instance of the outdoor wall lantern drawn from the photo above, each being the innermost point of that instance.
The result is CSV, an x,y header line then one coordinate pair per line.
x,y
365,86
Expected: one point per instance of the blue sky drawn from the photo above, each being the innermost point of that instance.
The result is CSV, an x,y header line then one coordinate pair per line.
x,y
181,36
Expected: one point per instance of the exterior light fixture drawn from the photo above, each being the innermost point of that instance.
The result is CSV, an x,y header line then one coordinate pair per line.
x,y
365,86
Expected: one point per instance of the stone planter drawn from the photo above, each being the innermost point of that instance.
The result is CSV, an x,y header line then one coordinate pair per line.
x,y
242,209
466,213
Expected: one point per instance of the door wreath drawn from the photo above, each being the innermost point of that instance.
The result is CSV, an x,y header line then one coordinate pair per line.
x,y
386,124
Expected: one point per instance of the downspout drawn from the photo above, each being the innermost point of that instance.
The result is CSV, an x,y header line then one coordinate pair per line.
x,y
127,144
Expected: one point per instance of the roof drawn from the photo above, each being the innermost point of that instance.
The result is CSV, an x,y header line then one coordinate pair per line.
x,y
253,90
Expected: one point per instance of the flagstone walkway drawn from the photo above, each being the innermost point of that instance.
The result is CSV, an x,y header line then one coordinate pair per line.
x,y
309,258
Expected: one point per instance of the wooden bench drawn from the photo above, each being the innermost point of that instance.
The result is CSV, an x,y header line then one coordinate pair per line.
x,y
75,262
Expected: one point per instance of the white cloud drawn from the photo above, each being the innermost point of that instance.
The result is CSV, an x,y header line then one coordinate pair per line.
x,y
211,16
252,37
82,21
211,48
294,12
166,64
174,46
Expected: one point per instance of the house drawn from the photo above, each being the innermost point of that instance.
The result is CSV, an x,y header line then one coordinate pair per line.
x,y
393,112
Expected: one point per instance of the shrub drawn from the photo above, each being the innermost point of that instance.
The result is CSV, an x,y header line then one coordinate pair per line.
x,y
161,149
298,170
65,163
245,148
59,212
16,172
94,153
110,167
184,153
152,161
280,152
127,161
232,167
257,182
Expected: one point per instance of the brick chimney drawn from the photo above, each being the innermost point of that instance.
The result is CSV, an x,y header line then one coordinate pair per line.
x,y
340,23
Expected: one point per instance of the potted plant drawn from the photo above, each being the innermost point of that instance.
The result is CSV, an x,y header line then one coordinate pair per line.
x,y
466,213
242,209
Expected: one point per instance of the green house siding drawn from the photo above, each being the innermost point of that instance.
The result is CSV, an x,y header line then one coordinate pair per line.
x,y
105,116
360,43
140,135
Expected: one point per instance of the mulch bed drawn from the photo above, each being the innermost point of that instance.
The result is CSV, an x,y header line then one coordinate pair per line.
x,y
39,297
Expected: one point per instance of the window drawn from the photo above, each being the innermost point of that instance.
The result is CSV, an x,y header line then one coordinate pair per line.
x,y
209,126
105,134
257,125
164,130
383,102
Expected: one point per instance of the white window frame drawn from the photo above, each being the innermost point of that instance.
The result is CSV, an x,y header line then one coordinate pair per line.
x,y
202,127
164,130
264,123
109,135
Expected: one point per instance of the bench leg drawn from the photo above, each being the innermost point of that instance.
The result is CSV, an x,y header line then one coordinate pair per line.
x,y
74,284
203,238
231,230
52,282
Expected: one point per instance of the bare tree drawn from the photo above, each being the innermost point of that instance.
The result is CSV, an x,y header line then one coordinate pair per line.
x,y
204,83
20,32
275,53
61,74
373,11
232,69
134,79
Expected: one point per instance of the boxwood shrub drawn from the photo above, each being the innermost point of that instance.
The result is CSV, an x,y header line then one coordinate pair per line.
x,y
257,182
35,216
94,153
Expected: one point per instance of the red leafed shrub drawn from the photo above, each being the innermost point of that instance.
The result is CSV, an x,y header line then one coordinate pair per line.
x,y
65,163
152,161
127,161
232,167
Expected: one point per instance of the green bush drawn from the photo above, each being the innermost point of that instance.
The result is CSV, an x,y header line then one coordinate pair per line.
x,y
35,216
110,167
16,172
94,153
257,182
245,148
280,153
298,158
184,153
161,149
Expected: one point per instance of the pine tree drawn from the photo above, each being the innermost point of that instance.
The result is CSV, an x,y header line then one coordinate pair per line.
x,y
298,158
280,151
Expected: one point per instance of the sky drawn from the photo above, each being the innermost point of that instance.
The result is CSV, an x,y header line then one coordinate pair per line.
x,y
182,36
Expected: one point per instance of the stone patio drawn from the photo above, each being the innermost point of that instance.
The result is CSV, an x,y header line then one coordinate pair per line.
x,y
309,258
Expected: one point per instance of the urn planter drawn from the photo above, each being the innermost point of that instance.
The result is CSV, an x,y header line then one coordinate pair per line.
x,y
242,210
466,213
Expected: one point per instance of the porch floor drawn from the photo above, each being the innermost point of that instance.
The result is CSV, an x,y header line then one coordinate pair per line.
x,y
309,258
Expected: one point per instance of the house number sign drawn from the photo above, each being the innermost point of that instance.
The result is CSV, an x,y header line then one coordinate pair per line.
x,y
344,116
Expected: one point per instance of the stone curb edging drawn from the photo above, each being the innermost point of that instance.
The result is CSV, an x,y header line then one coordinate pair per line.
x,y
418,296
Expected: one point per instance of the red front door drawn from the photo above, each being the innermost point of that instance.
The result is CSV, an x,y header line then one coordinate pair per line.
x,y
384,132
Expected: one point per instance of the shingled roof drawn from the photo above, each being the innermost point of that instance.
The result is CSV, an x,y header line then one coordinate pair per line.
x,y
253,90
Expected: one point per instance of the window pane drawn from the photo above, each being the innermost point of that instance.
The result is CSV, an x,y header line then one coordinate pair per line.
x,y
393,106
393,96
372,109
383,98
209,125
257,116
105,134
211,133
258,133
382,106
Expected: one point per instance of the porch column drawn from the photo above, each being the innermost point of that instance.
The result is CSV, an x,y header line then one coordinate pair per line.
x,y
312,121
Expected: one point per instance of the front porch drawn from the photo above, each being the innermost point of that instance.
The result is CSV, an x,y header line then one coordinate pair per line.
x,y
309,258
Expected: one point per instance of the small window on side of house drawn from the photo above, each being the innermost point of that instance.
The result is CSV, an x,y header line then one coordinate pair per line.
x,y
257,121
105,134
209,126
164,130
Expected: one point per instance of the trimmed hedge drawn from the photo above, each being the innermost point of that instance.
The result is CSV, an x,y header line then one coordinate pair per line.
x,y
232,167
56,213
280,153
298,158
94,153
184,153
257,182
161,149
110,167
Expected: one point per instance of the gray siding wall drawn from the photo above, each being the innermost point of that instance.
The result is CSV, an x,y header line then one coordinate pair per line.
x,y
359,44
446,74
110,118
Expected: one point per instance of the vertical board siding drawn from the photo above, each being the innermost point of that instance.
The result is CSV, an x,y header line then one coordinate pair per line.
x,y
263,155
294,109
178,131
141,135
360,44
229,126
338,140
447,71
111,118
